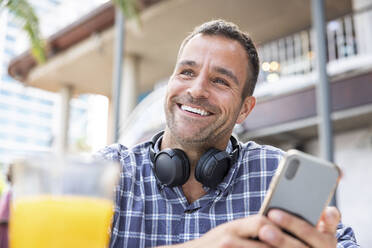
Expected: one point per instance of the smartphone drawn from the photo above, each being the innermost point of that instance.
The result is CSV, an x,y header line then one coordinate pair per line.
x,y
303,186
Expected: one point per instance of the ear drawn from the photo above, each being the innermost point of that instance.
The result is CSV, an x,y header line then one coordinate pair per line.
x,y
247,106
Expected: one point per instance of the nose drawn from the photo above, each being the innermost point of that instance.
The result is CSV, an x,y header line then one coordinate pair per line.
x,y
199,87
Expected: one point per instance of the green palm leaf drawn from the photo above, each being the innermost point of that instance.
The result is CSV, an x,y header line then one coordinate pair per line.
x,y
128,8
26,17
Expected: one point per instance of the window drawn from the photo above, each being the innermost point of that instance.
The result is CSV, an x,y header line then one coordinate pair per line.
x,y
46,102
7,79
4,106
56,2
45,115
12,24
5,93
42,128
22,124
4,121
3,136
39,142
23,111
9,52
24,97
9,37
20,139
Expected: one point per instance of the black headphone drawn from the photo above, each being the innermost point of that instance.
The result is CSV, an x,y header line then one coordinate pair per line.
x,y
172,167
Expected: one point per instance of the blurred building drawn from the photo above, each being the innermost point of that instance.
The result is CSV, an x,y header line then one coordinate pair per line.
x,y
285,114
28,115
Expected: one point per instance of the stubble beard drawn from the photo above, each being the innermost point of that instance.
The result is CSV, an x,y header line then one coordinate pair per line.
x,y
204,136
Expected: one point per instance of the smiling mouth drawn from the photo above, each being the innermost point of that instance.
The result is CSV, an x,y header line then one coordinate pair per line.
x,y
193,110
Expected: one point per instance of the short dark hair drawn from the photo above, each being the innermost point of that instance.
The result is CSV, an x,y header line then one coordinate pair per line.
x,y
232,31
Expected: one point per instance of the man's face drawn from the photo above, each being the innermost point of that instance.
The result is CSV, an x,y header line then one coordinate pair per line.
x,y
203,100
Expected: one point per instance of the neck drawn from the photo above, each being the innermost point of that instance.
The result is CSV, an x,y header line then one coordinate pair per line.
x,y
193,150
192,189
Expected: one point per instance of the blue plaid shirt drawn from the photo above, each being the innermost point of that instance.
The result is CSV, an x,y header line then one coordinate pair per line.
x,y
148,214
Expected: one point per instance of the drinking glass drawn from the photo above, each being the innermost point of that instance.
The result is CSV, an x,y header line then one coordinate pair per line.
x,y
62,202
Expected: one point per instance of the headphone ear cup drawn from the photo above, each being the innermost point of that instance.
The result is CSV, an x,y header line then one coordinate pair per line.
x,y
212,167
172,167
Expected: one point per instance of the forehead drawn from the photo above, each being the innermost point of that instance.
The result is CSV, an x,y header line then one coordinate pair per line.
x,y
216,51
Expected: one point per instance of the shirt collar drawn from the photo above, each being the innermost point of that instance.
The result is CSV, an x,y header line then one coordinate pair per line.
x,y
231,174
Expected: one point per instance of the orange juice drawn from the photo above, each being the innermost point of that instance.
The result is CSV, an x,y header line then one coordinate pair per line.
x,y
60,222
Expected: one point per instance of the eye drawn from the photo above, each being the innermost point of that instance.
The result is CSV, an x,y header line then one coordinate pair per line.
x,y
220,81
187,72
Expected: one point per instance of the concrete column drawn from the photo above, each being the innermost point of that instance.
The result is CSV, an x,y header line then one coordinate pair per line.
x,y
117,73
363,27
64,119
129,89
110,123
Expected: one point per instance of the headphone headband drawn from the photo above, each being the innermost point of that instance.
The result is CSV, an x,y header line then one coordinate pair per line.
x,y
172,168
234,142
153,141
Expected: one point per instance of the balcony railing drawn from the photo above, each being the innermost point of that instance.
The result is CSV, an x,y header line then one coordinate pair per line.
x,y
293,56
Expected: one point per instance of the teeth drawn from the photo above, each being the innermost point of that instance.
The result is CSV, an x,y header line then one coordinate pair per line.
x,y
194,110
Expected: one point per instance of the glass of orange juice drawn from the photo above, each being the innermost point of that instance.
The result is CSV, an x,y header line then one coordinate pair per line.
x,y
62,202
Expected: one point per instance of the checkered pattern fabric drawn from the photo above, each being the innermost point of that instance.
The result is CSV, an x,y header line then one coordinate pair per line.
x,y
148,214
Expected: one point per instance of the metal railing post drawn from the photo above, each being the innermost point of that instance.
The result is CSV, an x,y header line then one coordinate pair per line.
x,y
323,87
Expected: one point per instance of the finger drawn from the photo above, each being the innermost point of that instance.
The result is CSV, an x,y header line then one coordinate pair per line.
x,y
234,241
329,220
275,237
298,227
246,227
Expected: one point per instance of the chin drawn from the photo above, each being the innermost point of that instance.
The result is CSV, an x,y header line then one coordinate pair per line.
x,y
191,137
188,133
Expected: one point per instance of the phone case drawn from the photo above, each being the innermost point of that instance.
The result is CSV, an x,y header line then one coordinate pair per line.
x,y
303,186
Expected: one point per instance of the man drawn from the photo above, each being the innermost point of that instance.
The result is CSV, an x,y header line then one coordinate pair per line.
x,y
166,195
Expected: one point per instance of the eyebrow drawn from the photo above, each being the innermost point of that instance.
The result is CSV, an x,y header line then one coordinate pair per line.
x,y
187,62
227,73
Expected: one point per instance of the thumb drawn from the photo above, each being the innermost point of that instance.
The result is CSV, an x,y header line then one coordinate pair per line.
x,y
329,220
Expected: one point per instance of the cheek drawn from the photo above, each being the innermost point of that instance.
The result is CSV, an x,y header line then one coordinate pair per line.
x,y
175,87
229,102
167,103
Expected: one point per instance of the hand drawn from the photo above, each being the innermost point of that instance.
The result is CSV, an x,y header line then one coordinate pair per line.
x,y
233,234
323,235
